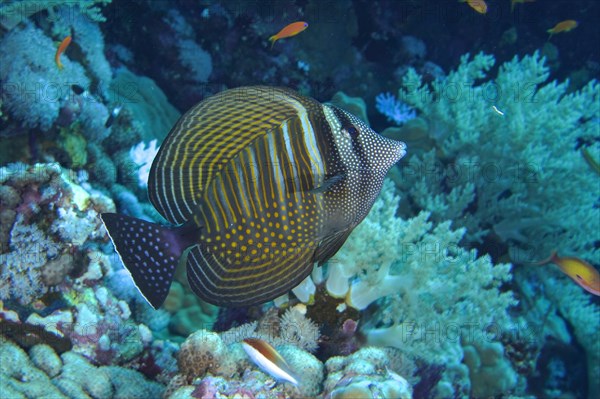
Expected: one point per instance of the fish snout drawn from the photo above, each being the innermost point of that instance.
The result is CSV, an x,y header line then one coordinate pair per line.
x,y
395,150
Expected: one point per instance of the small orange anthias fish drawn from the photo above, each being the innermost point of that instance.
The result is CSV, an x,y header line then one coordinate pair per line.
x,y
579,270
563,26
291,30
478,5
61,49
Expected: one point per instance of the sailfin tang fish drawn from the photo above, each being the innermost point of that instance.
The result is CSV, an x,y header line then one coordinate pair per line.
x,y
268,359
271,183
578,269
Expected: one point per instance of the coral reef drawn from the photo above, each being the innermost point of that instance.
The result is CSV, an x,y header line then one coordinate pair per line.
x,y
147,103
43,206
413,305
54,286
143,157
221,368
576,306
394,110
489,371
43,374
498,172
33,88
12,13
418,262
368,373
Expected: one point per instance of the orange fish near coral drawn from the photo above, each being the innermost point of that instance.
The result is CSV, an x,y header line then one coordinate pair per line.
x,y
61,49
579,270
291,30
563,26
478,5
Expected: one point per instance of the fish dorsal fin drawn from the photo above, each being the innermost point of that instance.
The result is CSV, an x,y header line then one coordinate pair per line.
x,y
212,133
330,245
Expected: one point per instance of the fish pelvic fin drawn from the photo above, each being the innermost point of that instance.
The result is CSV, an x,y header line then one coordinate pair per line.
x,y
149,251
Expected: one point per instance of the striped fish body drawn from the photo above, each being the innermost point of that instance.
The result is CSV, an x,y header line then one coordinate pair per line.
x,y
263,183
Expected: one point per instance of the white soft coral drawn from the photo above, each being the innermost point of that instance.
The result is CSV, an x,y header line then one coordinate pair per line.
x,y
143,156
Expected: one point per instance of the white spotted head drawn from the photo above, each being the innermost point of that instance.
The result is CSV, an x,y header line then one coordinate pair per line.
x,y
363,158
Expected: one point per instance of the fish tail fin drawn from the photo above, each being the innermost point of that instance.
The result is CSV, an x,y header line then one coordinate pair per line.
x,y
273,39
549,259
149,251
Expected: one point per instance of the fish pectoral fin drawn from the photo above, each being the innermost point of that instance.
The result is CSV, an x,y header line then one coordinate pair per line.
x,y
330,245
328,184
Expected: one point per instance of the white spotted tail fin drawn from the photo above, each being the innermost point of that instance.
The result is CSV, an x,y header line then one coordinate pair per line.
x,y
149,251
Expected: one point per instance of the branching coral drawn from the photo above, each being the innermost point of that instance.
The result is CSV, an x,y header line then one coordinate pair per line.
x,y
13,12
433,295
579,309
412,256
394,110
507,156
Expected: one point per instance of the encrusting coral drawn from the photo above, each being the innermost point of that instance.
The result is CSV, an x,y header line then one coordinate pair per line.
x,y
368,373
43,374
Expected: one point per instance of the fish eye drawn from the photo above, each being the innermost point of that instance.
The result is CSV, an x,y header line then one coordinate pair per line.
x,y
579,277
352,131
